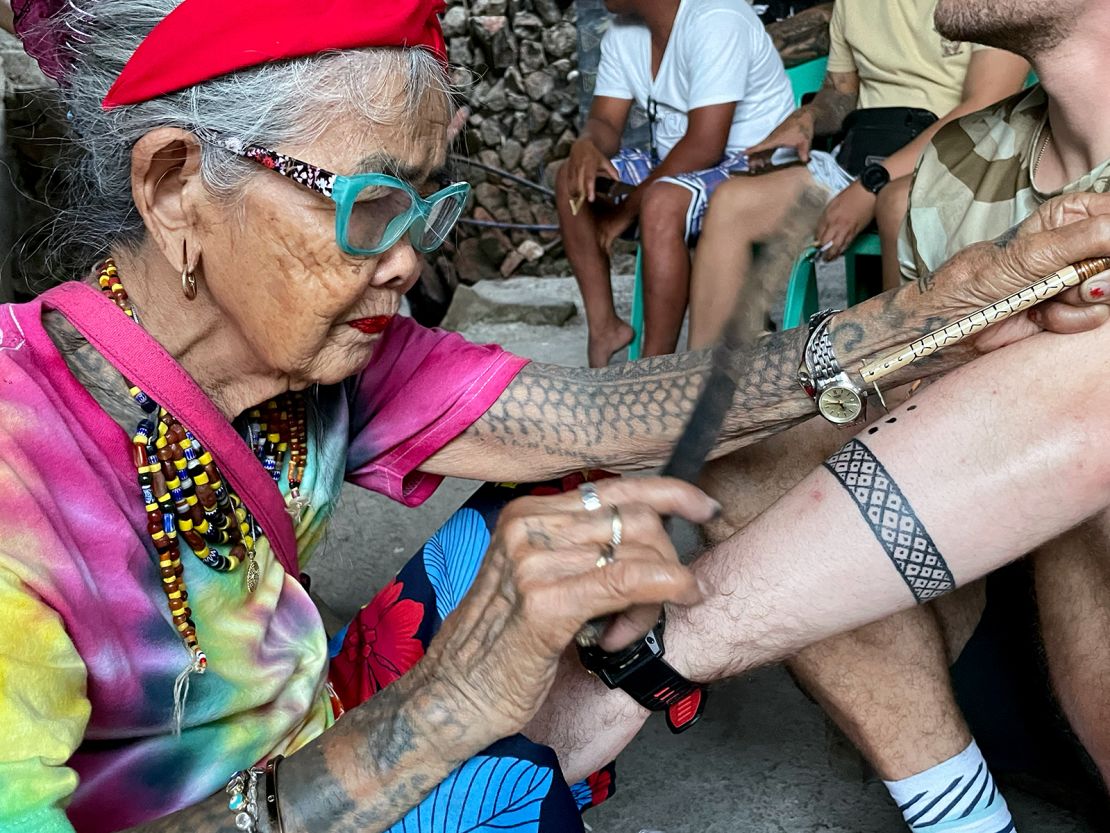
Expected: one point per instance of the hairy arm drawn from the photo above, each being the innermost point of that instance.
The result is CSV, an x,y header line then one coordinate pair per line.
x,y
967,476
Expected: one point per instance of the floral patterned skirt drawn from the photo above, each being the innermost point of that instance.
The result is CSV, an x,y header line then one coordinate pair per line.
x,y
515,784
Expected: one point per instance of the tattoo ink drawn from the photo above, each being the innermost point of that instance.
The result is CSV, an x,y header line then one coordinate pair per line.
x,y
892,520
1004,240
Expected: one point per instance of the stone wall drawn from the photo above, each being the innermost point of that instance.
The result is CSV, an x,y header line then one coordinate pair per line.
x,y
521,84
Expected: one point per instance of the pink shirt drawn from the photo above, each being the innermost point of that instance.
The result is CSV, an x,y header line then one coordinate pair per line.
x,y
86,691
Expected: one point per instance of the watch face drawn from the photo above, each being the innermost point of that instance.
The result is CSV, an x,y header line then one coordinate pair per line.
x,y
840,405
874,178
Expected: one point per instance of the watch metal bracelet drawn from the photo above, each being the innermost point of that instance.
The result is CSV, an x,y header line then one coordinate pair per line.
x,y
821,358
808,376
957,331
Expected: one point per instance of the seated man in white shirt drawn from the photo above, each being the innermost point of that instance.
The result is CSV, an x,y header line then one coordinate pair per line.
x,y
712,84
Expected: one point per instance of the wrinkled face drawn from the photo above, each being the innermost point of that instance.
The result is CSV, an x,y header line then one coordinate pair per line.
x,y
272,264
1026,27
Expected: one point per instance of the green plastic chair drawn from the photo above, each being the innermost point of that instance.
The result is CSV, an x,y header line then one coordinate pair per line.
x,y
807,78
804,79
801,292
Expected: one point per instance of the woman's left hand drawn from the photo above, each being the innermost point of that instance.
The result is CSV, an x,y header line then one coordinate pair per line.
x,y
545,575
1065,230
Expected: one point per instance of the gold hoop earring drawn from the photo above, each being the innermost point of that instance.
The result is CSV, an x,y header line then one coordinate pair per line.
x,y
188,279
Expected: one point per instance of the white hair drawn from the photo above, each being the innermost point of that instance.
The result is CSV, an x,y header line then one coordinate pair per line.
x,y
289,101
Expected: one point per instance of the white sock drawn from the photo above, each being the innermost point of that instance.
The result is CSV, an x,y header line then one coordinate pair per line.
x,y
956,796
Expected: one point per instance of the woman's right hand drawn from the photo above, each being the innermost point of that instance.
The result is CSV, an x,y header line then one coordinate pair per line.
x,y
541,582
795,132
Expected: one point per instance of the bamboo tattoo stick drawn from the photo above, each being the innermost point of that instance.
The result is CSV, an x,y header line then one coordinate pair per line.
x,y
957,331
769,270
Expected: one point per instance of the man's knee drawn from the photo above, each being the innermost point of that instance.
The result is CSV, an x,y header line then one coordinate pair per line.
x,y
752,200
663,212
733,198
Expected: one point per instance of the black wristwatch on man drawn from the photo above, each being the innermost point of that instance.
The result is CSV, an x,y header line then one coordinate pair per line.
x,y
642,673
874,178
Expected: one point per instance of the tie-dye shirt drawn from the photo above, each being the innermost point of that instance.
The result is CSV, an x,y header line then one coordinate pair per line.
x,y
88,654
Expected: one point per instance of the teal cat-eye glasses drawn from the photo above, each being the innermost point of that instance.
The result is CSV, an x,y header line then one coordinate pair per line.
x,y
372,211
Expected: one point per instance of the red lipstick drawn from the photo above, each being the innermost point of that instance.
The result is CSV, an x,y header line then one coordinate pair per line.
x,y
371,326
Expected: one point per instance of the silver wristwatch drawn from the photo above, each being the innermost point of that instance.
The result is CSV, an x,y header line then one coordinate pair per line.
x,y
838,398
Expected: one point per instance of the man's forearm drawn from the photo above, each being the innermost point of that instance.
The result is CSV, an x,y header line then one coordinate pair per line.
x,y
603,135
980,468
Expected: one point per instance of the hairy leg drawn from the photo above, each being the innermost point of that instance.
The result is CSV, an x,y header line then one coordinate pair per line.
x,y
590,262
1072,576
890,211
666,265
743,211
953,466
885,685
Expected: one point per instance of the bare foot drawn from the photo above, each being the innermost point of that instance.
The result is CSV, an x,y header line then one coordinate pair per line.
x,y
605,343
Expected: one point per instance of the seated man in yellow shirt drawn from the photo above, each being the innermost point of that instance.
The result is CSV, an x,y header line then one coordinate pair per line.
x,y
881,55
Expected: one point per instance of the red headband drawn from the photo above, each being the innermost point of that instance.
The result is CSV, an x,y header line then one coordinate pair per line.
x,y
203,39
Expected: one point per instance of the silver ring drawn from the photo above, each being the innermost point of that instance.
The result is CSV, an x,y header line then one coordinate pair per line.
x,y
616,527
606,558
591,500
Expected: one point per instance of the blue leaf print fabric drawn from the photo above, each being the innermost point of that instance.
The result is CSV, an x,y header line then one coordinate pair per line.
x,y
453,555
484,794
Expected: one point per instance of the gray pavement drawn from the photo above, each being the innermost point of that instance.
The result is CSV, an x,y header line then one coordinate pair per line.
x,y
760,762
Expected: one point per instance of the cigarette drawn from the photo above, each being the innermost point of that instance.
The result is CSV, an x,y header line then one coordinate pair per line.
x,y
820,251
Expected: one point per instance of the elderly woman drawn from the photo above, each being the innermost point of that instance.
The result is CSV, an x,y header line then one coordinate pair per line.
x,y
254,191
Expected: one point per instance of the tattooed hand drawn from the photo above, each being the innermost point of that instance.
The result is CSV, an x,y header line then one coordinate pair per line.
x,y
541,582
1064,230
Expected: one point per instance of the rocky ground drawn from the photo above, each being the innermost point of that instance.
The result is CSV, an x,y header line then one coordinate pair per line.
x,y
761,761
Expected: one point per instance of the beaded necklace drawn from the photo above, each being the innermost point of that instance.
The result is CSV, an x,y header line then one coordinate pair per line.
x,y
186,496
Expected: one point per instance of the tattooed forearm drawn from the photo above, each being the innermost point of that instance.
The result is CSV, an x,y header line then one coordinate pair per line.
x,y
378,762
892,520
838,96
554,419
364,773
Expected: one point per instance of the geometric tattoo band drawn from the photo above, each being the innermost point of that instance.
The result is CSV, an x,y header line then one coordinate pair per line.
x,y
892,519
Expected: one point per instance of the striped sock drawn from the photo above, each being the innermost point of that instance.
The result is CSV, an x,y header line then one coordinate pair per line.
x,y
956,796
